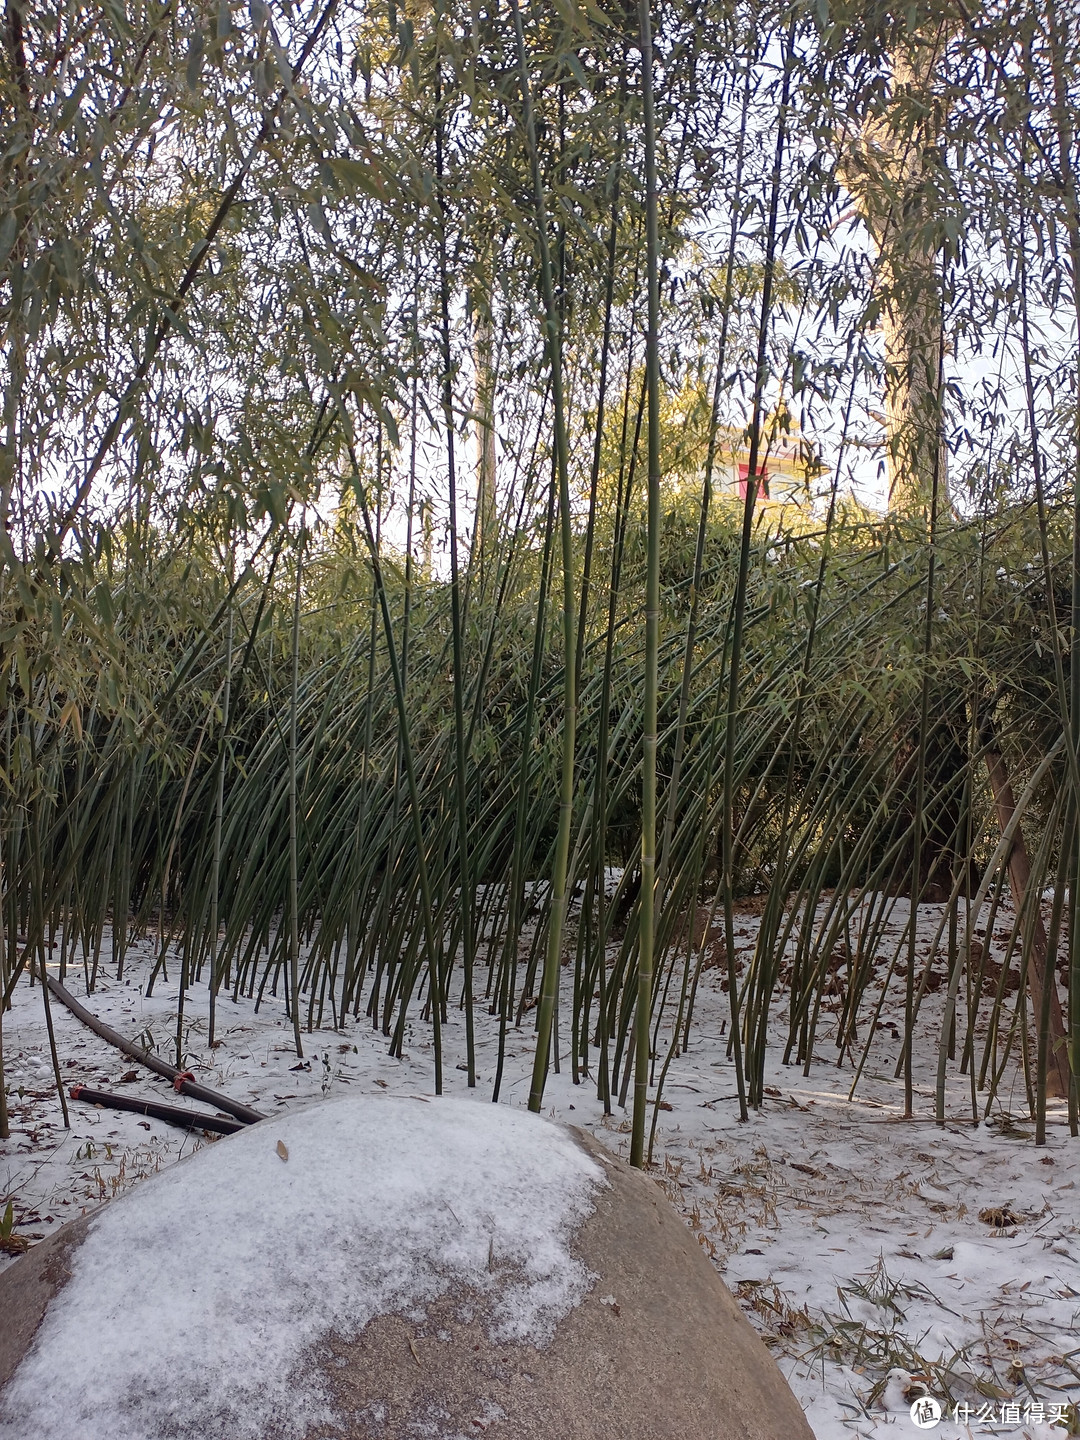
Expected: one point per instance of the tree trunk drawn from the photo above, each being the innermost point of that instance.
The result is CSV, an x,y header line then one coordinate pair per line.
x,y
891,171
1039,976
485,531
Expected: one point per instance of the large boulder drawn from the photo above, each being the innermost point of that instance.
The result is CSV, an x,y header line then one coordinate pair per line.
x,y
391,1268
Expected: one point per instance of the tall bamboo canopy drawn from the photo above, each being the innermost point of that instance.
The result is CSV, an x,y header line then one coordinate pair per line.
x,y
371,629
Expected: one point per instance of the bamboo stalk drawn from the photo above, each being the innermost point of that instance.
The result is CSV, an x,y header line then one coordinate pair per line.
x,y
646,912
553,349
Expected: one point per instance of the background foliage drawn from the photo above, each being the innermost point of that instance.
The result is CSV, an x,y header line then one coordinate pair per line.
x,y
289,654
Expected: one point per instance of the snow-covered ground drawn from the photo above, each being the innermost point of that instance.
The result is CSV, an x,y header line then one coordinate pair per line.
x,y
879,1257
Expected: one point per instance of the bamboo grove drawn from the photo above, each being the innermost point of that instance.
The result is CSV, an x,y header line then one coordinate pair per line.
x,y
377,624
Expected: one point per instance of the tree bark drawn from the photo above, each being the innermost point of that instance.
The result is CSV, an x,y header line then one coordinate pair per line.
x,y
485,531
892,171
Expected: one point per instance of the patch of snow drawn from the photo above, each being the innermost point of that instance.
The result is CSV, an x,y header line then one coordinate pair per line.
x,y
209,1292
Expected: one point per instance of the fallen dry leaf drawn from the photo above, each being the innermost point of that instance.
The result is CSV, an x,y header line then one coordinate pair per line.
x,y
282,1150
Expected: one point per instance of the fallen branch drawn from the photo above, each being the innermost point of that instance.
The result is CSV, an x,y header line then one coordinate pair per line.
x,y
180,1080
171,1114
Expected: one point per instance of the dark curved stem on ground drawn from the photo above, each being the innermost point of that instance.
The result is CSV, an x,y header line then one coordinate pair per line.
x,y
171,1114
191,1088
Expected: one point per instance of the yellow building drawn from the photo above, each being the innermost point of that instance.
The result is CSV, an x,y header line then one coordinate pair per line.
x,y
786,465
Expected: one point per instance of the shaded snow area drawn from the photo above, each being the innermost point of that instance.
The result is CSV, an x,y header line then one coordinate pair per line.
x,y
879,1257
206,1292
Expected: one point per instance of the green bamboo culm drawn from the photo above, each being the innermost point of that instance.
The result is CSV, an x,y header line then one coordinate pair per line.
x,y
553,350
294,840
738,609
646,915
456,618
1064,113
219,808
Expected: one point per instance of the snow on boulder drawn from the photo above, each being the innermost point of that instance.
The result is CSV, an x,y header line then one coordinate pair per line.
x,y
384,1267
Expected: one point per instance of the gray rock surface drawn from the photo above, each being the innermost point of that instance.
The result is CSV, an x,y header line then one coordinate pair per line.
x,y
657,1349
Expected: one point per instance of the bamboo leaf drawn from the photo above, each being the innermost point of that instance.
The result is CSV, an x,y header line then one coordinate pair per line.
x,y
355,176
